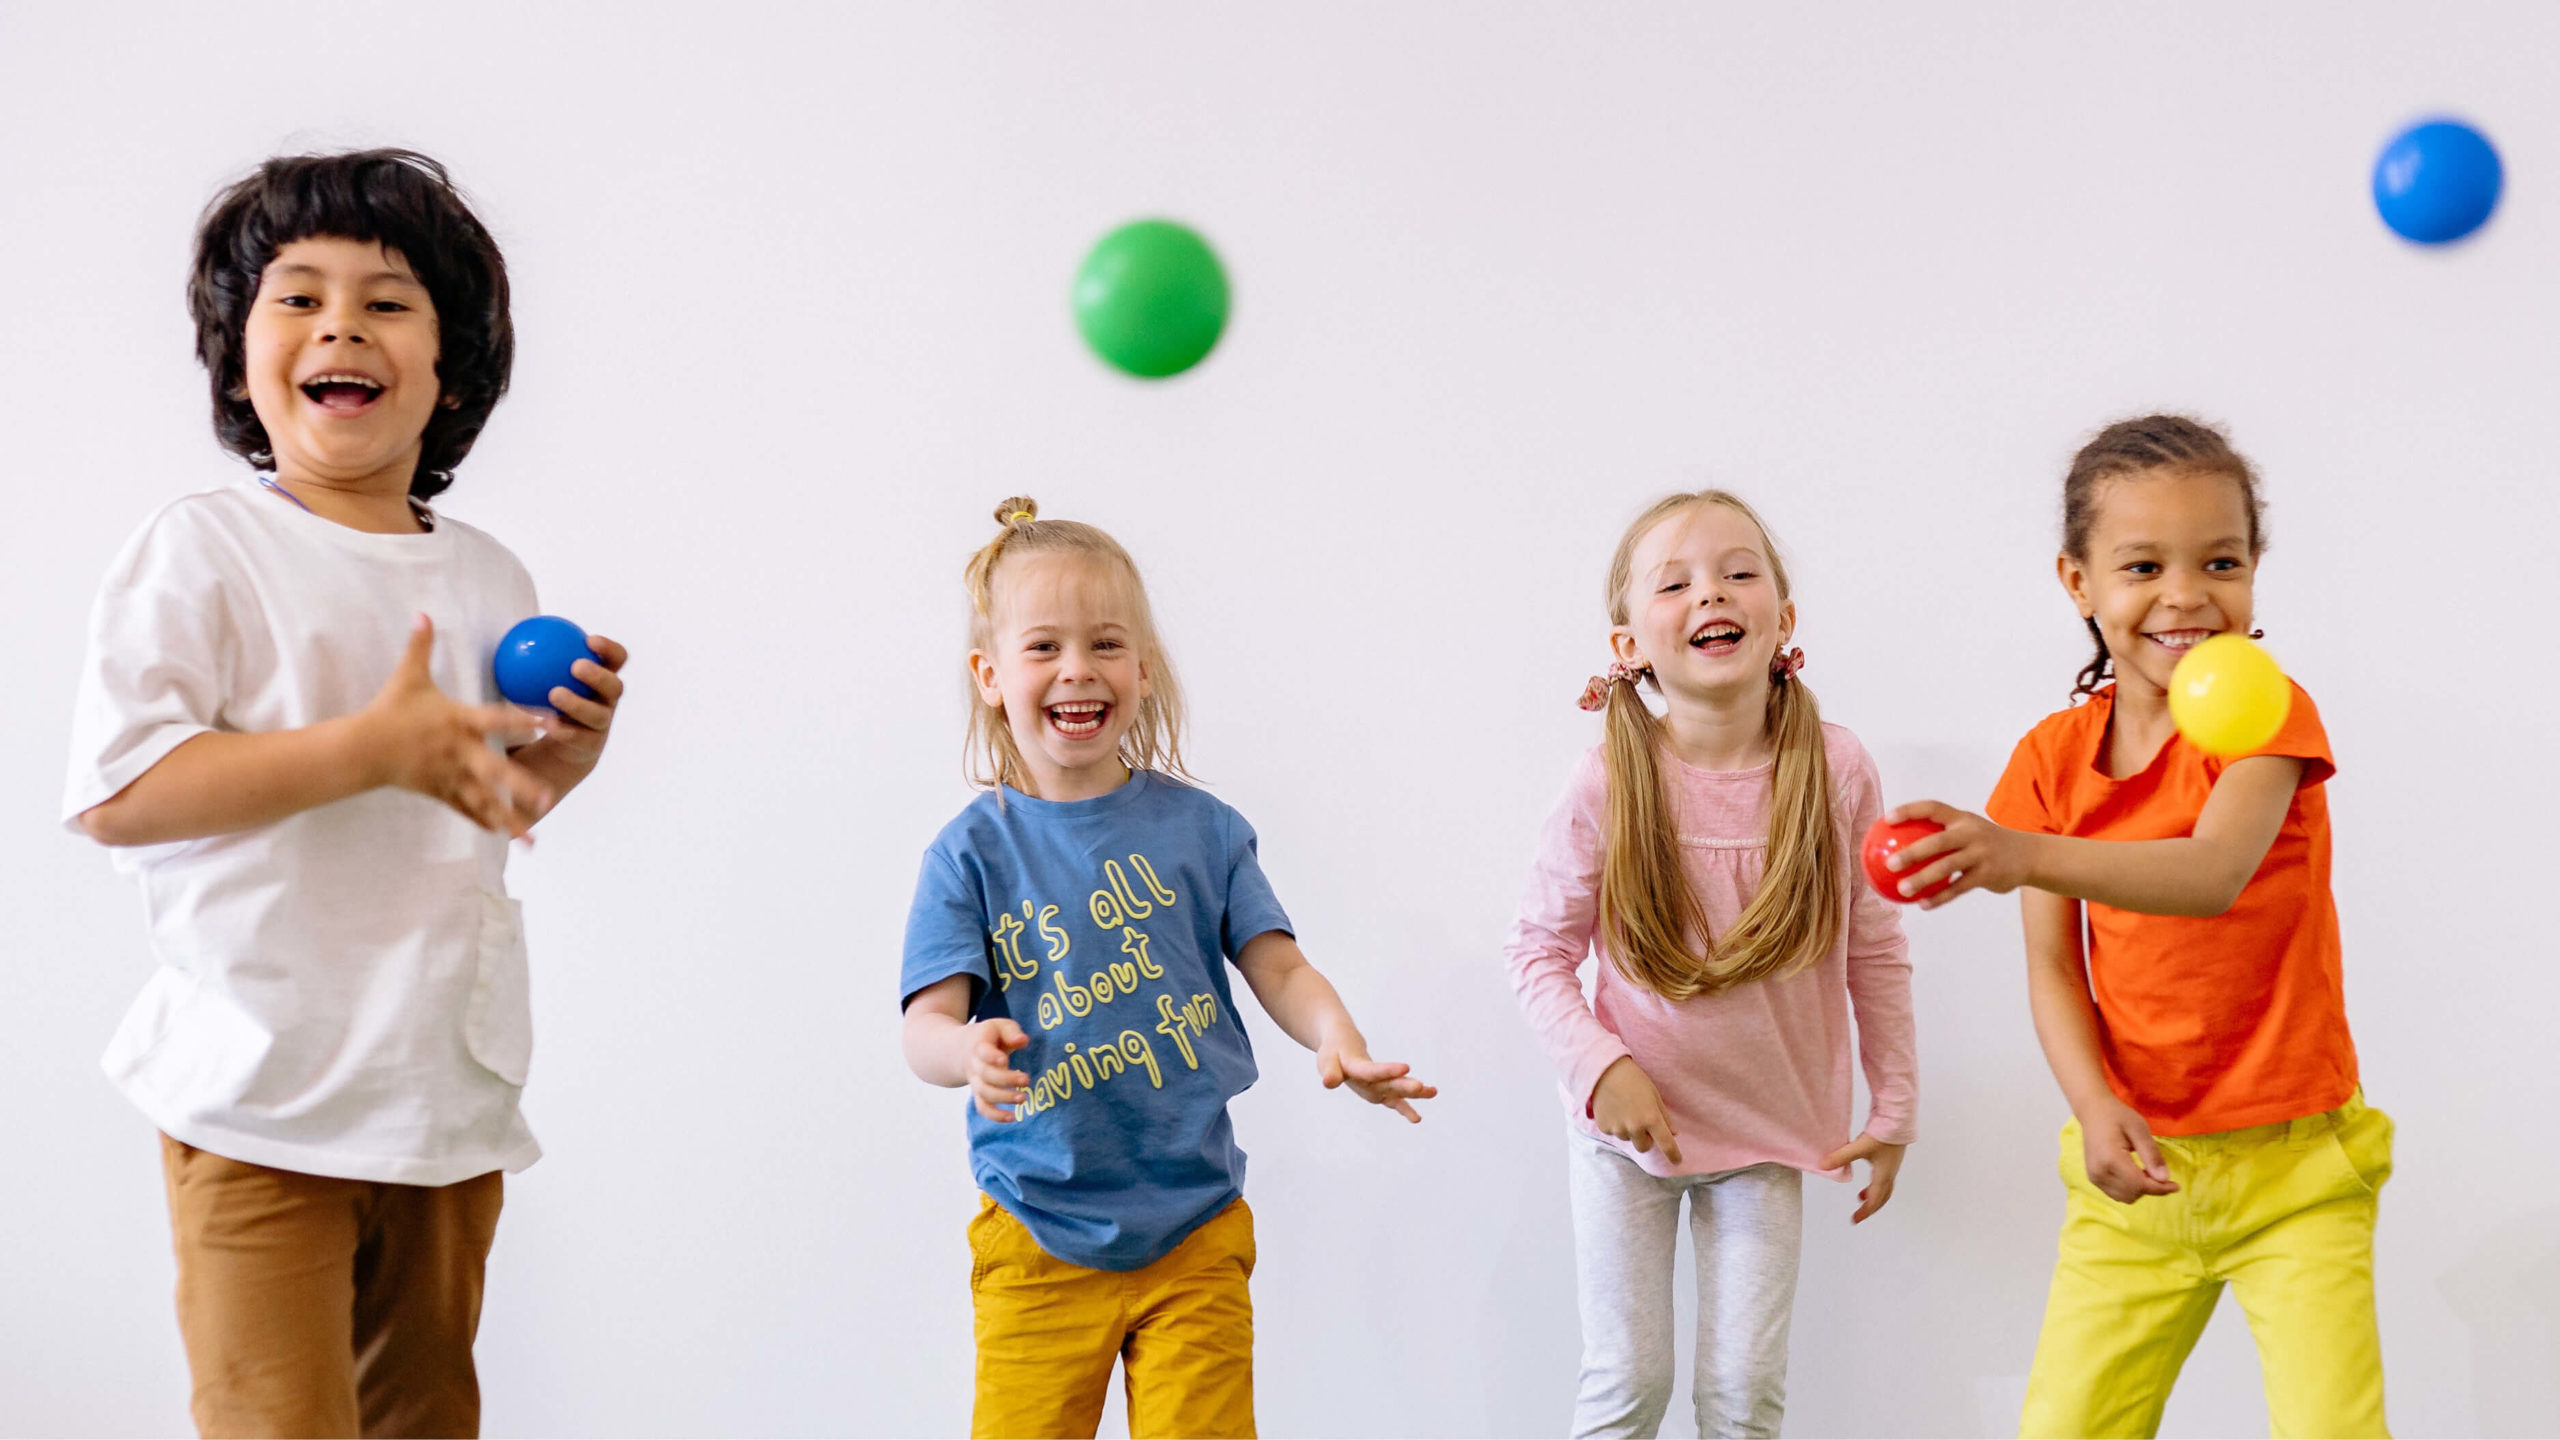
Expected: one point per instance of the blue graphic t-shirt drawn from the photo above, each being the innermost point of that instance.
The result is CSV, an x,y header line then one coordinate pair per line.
x,y
1102,927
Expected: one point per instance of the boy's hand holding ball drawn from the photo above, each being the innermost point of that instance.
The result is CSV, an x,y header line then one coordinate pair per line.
x,y
419,738
547,663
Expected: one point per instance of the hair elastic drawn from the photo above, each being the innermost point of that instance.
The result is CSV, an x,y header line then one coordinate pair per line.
x,y
1595,696
1784,665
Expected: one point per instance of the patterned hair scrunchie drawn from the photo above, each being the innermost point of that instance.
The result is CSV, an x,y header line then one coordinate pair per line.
x,y
1595,696
1784,665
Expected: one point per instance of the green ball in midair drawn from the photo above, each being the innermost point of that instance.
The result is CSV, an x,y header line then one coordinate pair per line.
x,y
1151,298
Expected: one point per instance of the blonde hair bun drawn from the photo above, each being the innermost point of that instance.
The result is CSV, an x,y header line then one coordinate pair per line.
x,y
1017,510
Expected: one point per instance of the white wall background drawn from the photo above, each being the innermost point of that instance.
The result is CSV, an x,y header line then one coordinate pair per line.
x,y
792,310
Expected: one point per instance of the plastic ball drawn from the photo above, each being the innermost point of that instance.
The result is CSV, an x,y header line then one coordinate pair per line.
x,y
2228,696
2437,181
1885,839
1151,298
535,657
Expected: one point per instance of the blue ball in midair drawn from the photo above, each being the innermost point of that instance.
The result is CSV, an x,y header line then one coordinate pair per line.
x,y
535,657
2437,181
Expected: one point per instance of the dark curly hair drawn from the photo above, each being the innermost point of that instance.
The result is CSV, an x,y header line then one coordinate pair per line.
x,y
398,199
2131,447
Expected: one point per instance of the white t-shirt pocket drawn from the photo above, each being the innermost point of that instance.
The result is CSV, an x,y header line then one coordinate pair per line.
x,y
498,1024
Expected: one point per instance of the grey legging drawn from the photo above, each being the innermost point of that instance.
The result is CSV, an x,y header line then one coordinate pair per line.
x,y
1747,1229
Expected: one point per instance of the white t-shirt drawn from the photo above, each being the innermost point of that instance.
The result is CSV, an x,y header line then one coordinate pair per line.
x,y
342,992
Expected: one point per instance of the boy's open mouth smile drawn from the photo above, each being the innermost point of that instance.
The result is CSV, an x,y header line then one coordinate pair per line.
x,y
2179,642
344,391
1717,638
1078,719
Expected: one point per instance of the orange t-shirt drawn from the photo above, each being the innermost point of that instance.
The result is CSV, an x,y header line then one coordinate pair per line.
x,y
2204,1023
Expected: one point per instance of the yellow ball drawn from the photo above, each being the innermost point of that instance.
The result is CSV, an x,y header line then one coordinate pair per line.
x,y
2228,697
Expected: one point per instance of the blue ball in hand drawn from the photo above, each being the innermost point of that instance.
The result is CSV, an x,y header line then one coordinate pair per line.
x,y
535,657
2437,181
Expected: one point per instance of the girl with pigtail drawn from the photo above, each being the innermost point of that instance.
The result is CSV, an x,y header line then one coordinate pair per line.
x,y
1066,964
1703,855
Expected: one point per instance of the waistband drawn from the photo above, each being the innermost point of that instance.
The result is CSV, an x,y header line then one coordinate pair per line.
x,y
2297,1134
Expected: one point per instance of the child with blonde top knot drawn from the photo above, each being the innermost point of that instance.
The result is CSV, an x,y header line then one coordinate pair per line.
x,y
1066,963
1704,855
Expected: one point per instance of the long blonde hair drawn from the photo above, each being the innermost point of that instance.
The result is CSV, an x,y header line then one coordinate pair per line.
x,y
1154,741
1651,923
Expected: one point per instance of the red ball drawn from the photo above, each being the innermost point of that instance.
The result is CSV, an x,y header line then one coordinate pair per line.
x,y
1885,839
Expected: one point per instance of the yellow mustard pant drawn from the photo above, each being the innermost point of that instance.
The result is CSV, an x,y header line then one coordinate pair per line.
x,y
1048,1332
2284,1215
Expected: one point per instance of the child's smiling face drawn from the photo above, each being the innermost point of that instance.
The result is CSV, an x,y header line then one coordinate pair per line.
x,y
1703,607
339,358
1065,663
2169,565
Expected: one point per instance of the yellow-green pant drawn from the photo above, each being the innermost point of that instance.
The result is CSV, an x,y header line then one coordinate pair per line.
x,y
1048,1332
2283,1214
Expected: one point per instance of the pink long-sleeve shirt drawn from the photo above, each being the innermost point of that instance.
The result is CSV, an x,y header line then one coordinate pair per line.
x,y
1755,1074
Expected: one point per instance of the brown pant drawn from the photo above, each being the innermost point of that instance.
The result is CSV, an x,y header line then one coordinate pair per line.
x,y
314,1306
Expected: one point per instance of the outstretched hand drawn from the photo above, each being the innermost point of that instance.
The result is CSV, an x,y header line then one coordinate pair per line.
x,y
1884,1164
1976,853
1345,1061
423,740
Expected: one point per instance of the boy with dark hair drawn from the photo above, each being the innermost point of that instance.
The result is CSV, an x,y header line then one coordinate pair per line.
x,y
336,1035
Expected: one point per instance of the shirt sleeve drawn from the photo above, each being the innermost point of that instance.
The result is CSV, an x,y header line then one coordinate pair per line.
x,y
1879,972
1252,909
154,676
946,931
2302,737
1552,936
2020,800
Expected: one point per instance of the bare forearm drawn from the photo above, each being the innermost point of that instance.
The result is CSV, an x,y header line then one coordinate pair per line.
x,y
1294,993
934,1033
1309,1009
2067,1028
936,1046
2201,873
221,783
2184,876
